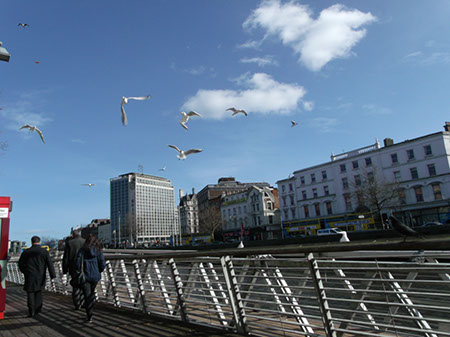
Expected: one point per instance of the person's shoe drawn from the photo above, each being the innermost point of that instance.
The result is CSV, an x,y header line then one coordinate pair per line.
x,y
89,320
31,315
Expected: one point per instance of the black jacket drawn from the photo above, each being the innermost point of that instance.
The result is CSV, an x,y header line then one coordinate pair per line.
x,y
93,264
32,264
70,254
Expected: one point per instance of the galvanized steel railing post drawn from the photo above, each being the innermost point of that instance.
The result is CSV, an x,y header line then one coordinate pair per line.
x,y
234,294
321,296
112,283
179,289
140,285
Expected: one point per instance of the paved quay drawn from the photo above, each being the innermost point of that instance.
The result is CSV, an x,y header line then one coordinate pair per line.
x,y
59,319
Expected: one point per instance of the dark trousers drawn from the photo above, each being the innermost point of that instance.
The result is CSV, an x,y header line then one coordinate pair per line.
x,y
34,300
89,296
77,297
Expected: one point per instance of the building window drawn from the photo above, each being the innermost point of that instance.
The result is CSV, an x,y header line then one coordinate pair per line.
x,y
344,183
325,190
402,196
284,201
394,158
343,168
317,209
329,209
306,210
348,202
427,150
291,199
418,192
283,188
314,192
290,187
431,170
368,161
304,195
355,164
397,175
324,175
410,154
414,173
313,178
302,180
357,180
437,191
293,213
286,214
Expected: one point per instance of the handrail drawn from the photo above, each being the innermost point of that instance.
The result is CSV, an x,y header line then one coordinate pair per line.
x,y
287,290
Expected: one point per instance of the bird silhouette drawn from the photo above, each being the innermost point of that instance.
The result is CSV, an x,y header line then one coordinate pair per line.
x,y
33,128
90,185
185,117
236,111
24,25
404,230
183,154
125,101
294,123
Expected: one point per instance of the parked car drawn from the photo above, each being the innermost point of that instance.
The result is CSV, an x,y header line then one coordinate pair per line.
x,y
329,231
432,223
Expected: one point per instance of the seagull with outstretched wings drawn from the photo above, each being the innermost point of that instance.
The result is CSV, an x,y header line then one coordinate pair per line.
x,y
236,111
33,128
90,185
185,117
183,154
294,123
125,101
24,25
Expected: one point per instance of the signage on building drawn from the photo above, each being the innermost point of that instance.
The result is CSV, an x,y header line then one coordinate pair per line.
x,y
4,212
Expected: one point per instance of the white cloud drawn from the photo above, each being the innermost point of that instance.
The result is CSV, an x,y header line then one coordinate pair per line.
x,y
261,61
26,110
324,124
251,44
428,59
317,41
262,95
373,109
79,141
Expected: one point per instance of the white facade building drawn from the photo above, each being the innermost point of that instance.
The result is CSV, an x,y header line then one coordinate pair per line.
x,y
144,206
420,166
188,211
255,208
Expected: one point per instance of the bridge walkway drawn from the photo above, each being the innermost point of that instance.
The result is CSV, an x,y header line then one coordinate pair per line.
x,y
59,319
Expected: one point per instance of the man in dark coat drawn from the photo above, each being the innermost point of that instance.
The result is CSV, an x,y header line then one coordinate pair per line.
x,y
33,263
70,256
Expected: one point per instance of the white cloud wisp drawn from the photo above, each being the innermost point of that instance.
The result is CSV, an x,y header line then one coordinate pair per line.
x,y
262,95
317,41
260,61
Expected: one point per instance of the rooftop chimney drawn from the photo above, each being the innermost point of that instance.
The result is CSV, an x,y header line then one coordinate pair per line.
x,y
447,126
388,142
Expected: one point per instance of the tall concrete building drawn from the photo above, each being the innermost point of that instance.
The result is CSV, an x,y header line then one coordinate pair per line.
x,y
143,209
188,211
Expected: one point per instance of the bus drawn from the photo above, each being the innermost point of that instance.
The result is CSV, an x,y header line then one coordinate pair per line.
x,y
348,222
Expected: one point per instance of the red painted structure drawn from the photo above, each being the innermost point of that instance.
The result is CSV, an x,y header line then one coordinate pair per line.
x,y
5,210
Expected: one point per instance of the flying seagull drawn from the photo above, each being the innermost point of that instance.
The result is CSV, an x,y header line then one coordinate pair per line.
x,y
403,229
24,25
186,116
294,123
33,128
90,185
162,169
183,154
236,111
125,101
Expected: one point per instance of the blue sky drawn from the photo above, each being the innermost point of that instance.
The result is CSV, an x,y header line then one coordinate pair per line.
x,y
348,72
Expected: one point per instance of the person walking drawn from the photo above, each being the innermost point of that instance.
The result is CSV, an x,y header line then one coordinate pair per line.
x,y
33,263
91,262
71,249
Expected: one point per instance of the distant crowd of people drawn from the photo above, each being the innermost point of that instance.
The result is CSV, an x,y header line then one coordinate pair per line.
x,y
83,260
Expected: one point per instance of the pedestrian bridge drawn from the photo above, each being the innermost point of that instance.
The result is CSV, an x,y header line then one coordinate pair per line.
x,y
385,288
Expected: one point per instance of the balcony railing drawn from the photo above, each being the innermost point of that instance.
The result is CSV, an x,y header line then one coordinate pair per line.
x,y
306,291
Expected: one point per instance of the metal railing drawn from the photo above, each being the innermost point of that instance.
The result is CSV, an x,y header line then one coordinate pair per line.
x,y
293,293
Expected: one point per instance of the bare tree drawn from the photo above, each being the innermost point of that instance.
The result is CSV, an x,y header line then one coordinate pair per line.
x,y
374,193
211,220
48,241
